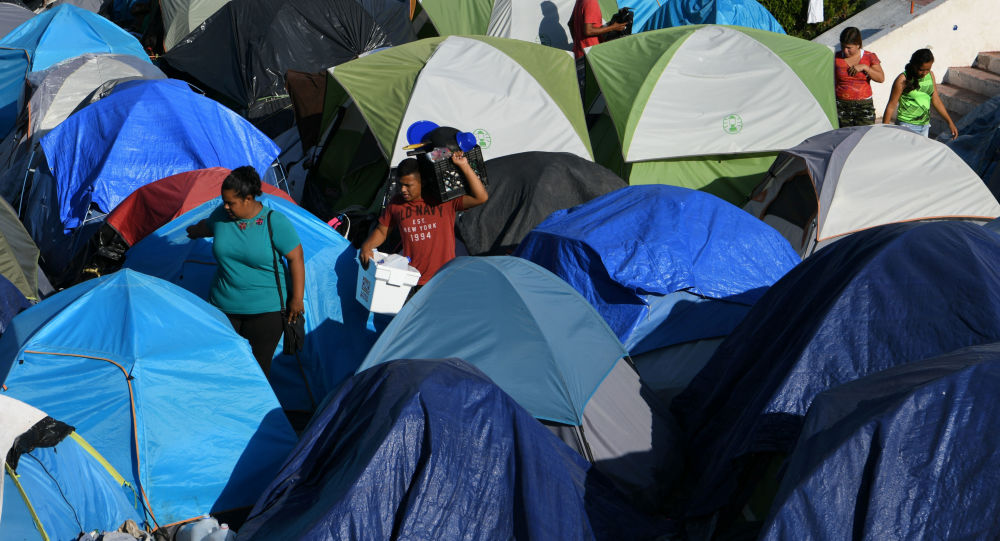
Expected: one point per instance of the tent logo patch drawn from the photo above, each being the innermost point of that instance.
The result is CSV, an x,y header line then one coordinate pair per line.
x,y
483,138
732,124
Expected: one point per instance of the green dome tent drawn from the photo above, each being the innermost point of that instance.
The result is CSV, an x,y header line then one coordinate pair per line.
x,y
18,254
539,21
513,95
706,106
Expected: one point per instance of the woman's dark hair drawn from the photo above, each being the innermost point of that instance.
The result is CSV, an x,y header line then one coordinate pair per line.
x,y
244,181
919,58
850,36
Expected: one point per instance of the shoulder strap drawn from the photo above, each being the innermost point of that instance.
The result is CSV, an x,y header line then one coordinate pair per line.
x,y
274,255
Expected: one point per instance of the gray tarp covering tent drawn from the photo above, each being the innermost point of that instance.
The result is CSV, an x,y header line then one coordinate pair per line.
x,y
543,344
19,255
525,189
60,88
847,180
11,16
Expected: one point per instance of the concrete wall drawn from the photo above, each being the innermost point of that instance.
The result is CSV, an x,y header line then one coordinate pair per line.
x,y
954,30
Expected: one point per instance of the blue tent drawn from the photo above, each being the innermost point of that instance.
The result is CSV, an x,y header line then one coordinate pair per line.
x,y
906,453
66,31
432,449
978,142
641,253
876,299
169,394
55,485
339,330
540,342
144,131
669,13
13,71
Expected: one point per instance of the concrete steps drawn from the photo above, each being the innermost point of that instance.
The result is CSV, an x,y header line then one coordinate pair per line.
x,y
962,89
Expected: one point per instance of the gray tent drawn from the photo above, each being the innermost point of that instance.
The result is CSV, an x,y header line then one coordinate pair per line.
x,y
59,89
11,16
19,255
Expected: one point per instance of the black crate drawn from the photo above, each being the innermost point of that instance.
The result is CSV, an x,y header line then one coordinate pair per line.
x,y
448,180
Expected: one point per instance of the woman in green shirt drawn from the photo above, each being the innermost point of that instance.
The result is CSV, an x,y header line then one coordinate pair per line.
x,y
244,287
913,94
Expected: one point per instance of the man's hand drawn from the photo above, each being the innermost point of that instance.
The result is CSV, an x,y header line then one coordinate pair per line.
x,y
365,255
616,27
458,158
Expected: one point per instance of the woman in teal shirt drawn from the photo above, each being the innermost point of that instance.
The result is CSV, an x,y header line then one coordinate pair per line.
x,y
913,94
244,287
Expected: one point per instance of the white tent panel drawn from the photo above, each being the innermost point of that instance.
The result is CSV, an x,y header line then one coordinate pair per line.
x,y
725,93
893,176
474,87
16,418
539,21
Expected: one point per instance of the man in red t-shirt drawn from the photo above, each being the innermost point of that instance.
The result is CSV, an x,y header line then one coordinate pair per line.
x,y
428,229
587,29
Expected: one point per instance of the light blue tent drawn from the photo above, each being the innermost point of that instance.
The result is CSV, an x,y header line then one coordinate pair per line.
x,y
142,132
543,344
656,14
339,330
66,31
55,484
161,386
13,70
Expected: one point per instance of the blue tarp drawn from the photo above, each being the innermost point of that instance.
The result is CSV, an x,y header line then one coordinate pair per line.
x,y
670,13
142,132
432,449
904,454
626,250
169,394
13,71
339,330
878,298
978,142
66,31
530,332
69,491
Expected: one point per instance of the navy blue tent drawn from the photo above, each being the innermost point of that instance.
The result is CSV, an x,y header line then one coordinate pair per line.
x,y
640,253
12,302
432,449
876,299
906,453
978,142
669,13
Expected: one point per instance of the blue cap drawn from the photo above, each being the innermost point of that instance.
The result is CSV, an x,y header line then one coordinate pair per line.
x,y
466,141
418,130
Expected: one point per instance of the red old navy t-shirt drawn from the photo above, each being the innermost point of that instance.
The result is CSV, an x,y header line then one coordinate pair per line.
x,y
854,87
428,232
585,11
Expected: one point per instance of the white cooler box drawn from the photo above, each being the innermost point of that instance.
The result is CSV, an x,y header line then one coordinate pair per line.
x,y
383,287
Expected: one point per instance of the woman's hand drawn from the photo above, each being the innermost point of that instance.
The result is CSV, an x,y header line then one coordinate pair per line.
x,y
296,309
953,130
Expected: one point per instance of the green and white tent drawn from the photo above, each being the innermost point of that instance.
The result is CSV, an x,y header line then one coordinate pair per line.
x,y
538,21
513,95
706,106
